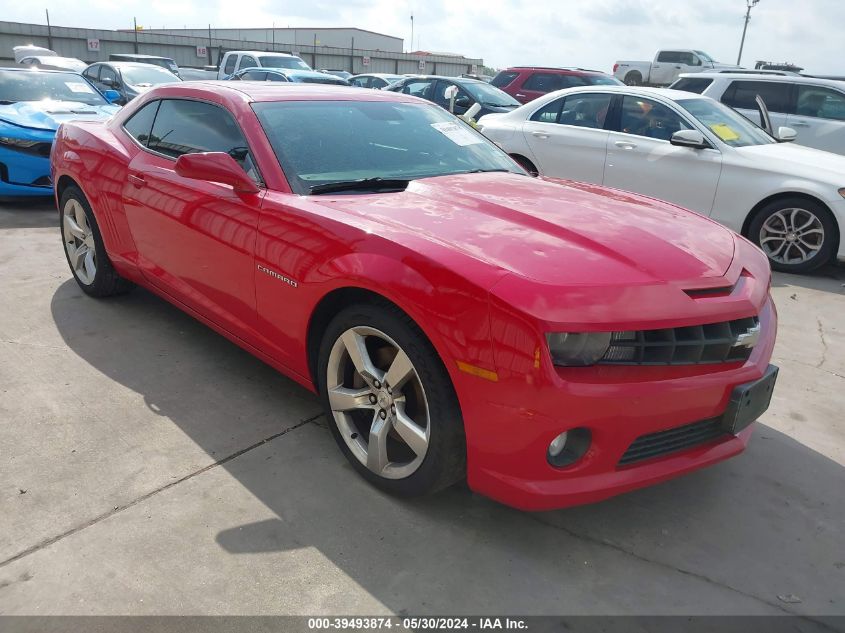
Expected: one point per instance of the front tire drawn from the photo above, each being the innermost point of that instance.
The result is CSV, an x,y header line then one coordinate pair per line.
x,y
84,249
389,401
796,234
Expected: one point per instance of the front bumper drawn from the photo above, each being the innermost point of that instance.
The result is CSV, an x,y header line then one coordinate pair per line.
x,y
23,174
510,425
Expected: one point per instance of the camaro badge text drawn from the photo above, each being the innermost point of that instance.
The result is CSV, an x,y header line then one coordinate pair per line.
x,y
278,276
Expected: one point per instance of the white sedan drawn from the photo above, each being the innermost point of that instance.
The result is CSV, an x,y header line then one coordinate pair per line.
x,y
690,150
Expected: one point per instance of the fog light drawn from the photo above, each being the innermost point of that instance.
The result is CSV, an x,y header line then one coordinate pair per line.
x,y
568,447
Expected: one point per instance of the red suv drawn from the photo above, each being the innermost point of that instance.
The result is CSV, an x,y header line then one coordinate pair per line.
x,y
526,83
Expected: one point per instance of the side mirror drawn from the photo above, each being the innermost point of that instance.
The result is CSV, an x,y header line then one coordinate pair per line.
x,y
112,96
463,102
215,167
786,134
689,138
108,81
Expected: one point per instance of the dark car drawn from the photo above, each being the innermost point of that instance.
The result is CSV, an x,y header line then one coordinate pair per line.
x,y
470,92
130,79
288,75
526,83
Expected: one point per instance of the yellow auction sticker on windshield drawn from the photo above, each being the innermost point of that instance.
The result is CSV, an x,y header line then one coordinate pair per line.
x,y
724,132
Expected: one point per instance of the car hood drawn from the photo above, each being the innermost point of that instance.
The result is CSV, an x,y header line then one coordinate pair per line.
x,y
796,160
48,115
555,232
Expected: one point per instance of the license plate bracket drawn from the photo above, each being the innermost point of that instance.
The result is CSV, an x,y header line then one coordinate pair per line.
x,y
749,401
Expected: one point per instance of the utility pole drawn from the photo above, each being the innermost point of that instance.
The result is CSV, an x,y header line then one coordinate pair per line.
x,y
411,48
352,57
49,31
208,50
750,4
135,23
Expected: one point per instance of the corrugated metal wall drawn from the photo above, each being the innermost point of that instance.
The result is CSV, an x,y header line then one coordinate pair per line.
x,y
72,42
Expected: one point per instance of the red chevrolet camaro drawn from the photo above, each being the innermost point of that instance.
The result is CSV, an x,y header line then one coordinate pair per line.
x,y
553,342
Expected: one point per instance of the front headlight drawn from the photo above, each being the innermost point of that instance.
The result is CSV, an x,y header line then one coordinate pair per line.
x,y
577,349
17,142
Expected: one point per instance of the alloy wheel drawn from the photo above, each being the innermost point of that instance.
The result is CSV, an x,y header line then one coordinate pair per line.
x,y
79,242
792,236
378,402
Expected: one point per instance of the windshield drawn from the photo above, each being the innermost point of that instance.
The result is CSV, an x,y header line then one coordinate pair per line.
x,y
731,127
36,86
148,74
319,142
318,78
704,56
273,61
486,94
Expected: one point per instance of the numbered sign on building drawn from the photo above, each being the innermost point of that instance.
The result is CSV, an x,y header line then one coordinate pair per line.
x,y
202,51
422,64
365,60
93,45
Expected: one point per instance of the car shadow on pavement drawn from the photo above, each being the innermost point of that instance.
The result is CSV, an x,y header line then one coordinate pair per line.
x,y
728,539
28,214
828,278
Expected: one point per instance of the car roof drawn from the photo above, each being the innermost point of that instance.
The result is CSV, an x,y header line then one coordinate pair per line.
x,y
467,80
39,70
801,79
641,91
569,70
263,91
140,56
379,75
262,53
119,64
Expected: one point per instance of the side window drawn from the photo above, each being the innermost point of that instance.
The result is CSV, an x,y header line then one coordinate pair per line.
x,y
585,110
503,78
248,61
377,83
107,74
185,127
549,113
91,72
254,75
570,81
542,82
743,94
461,97
275,77
691,84
418,88
645,117
669,57
824,103
229,68
140,124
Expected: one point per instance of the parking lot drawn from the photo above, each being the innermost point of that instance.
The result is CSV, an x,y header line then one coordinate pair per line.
x,y
149,466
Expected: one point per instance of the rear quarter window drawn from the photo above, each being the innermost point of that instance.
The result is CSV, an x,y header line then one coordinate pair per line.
x,y
503,78
692,84
230,64
139,124
743,94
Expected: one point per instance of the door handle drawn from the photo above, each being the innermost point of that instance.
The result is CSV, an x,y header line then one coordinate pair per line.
x,y
539,135
136,180
678,67
625,145
800,124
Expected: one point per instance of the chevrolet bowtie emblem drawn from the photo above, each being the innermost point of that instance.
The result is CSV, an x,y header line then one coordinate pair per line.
x,y
749,338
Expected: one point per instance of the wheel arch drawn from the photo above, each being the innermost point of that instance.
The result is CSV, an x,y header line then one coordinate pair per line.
x,y
334,301
746,225
62,184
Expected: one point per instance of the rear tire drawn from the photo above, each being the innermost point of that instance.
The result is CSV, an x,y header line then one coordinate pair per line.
x,y
796,234
634,78
84,249
406,438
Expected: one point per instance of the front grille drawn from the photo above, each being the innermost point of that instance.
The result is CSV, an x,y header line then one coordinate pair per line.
x,y
38,149
725,342
673,440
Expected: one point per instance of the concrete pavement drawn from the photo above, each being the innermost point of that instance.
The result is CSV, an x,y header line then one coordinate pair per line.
x,y
149,466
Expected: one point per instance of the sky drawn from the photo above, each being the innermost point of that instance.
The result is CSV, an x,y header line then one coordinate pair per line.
x,y
589,34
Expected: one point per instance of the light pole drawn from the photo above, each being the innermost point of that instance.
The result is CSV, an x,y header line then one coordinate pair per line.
x,y
751,4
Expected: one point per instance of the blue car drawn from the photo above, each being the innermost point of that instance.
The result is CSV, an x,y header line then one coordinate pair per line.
x,y
33,103
287,74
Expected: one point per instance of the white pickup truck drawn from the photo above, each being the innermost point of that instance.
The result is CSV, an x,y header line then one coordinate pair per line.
x,y
666,67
